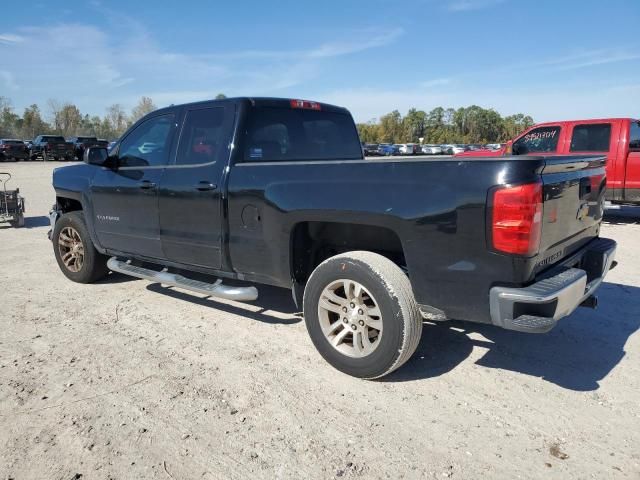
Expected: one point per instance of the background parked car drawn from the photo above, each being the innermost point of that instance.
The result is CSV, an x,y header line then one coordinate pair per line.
x,y
431,149
80,144
11,149
459,148
387,150
51,147
494,146
370,149
447,149
405,149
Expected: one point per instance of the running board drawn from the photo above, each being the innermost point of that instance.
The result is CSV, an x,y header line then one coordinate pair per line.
x,y
216,289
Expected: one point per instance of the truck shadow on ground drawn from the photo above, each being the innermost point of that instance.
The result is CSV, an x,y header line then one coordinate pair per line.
x,y
275,304
581,351
30,222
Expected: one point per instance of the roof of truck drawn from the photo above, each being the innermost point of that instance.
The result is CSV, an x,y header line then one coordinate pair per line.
x,y
264,102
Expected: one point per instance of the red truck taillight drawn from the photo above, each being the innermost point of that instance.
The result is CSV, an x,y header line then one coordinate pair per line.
x,y
516,220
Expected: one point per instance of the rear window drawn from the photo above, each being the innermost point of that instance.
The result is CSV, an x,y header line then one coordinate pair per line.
x,y
591,138
53,139
542,139
12,142
281,134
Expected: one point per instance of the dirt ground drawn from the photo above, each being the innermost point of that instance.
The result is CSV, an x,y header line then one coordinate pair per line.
x,y
128,379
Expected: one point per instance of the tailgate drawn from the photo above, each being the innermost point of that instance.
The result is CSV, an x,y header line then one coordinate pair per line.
x,y
573,196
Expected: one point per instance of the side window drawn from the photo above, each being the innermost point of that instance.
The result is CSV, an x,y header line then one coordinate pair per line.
x,y
538,140
202,139
148,145
634,137
591,138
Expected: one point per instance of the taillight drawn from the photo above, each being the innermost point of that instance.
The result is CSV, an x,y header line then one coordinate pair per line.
x,y
305,104
516,220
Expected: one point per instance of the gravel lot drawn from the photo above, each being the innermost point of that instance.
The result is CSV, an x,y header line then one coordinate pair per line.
x,y
128,379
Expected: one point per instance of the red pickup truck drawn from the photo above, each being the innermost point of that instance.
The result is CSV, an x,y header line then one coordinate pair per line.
x,y
618,138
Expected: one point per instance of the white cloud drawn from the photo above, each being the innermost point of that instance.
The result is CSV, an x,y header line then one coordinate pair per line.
x,y
370,40
76,61
10,38
436,82
467,5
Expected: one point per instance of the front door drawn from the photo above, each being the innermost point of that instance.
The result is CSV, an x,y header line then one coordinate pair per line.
x,y
125,198
190,198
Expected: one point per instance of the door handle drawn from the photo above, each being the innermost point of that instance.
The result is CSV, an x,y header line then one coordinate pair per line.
x,y
146,185
205,186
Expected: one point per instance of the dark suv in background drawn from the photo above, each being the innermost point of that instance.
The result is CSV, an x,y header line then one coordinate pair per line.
x,y
80,144
51,147
11,149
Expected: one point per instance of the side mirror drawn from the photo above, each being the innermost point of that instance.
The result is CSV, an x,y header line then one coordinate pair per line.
x,y
96,156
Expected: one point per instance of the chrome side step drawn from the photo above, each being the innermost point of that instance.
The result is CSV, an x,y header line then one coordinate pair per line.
x,y
216,289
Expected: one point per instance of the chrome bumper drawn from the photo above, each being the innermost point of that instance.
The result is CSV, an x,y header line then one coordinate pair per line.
x,y
538,307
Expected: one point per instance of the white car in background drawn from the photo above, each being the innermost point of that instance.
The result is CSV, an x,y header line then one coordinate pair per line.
x,y
431,149
459,149
405,148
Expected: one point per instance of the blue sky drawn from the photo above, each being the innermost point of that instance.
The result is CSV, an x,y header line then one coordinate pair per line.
x,y
550,59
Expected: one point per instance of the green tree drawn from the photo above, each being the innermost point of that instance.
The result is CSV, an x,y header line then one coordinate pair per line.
x,y
8,119
414,125
221,96
116,119
145,105
32,123
391,127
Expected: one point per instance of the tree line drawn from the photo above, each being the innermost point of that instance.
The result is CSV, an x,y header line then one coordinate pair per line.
x,y
65,118
472,124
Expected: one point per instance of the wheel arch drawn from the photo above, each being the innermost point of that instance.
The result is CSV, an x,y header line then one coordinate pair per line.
x,y
312,242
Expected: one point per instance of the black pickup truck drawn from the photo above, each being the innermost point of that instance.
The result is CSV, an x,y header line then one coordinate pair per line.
x,y
80,144
50,147
277,192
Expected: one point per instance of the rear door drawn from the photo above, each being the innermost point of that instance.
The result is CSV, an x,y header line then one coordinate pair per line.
x,y
190,195
598,137
125,199
632,171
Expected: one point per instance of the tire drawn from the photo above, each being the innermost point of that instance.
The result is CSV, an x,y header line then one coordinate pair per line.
x,y
93,265
392,336
18,222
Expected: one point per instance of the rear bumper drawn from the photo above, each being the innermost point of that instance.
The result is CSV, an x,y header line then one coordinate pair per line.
x,y
538,307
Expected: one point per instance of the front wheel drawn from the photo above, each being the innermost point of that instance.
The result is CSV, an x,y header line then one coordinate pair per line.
x,y
361,314
18,221
74,251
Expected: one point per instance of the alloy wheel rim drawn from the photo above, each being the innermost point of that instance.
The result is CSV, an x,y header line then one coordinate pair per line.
x,y
350,318
71,249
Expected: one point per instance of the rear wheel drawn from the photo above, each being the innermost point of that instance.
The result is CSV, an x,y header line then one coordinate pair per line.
x,y
18,222
361,315
76,256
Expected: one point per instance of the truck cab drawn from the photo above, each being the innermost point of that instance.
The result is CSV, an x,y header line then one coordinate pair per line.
x,y
616,138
